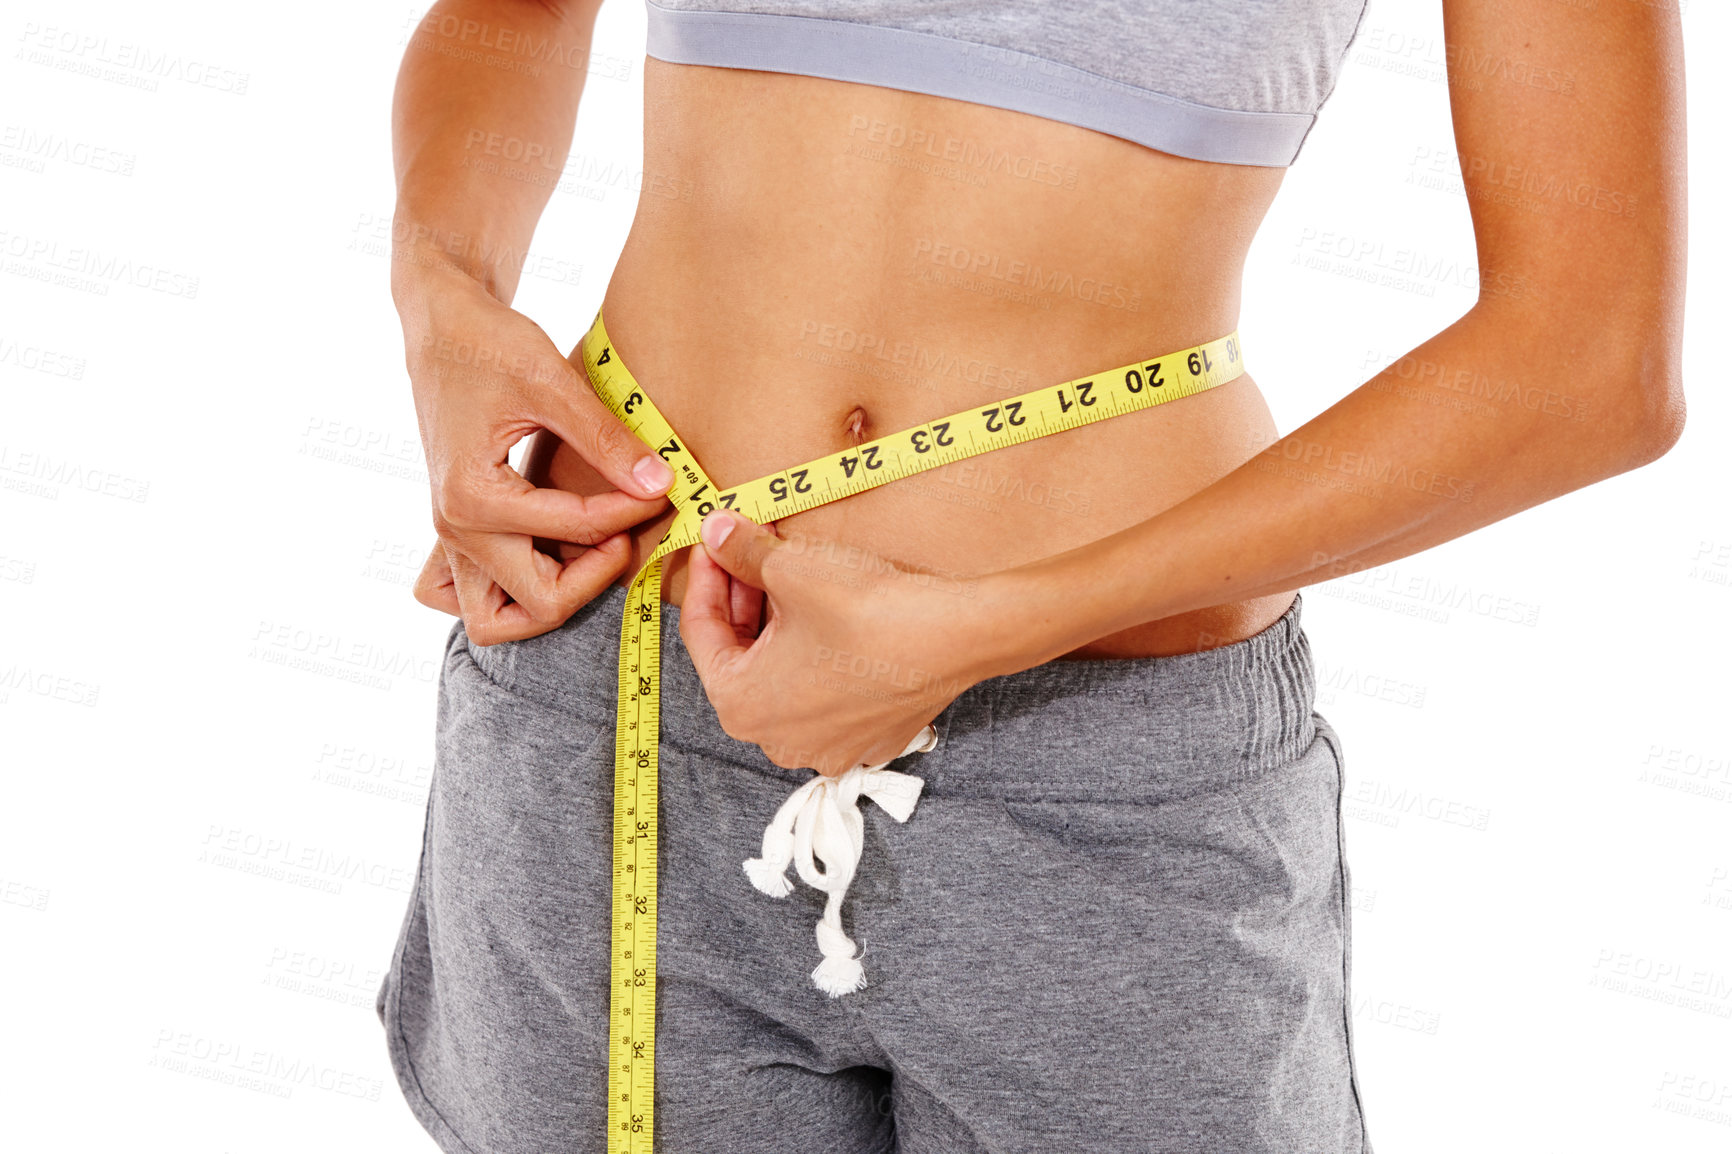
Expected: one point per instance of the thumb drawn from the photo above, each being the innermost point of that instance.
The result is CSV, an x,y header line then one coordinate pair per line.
x,y
739,545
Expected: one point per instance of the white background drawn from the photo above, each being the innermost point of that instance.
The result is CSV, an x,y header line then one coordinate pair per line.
x,y
217,693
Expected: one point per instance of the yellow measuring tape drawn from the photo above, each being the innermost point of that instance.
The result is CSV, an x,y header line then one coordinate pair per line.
x,y
1053,409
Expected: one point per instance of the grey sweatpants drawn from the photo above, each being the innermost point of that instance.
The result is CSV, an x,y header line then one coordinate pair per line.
x,y
1116,921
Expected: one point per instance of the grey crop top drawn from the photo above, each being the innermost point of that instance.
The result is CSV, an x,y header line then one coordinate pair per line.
x,y
1234,81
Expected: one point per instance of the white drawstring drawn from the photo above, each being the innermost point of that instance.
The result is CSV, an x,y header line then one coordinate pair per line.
x,y
822,820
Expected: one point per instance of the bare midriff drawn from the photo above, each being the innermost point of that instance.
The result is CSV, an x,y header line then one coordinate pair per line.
x,y
817,263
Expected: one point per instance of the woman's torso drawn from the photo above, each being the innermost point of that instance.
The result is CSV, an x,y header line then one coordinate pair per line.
x,y
816,263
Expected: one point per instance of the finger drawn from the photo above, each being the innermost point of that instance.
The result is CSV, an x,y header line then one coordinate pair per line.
x,y
577,417
510,590
434,586
758,608
503,501
762,609
788,757
834,762
891,749
479,597
491,615
746,605
739,545
706,618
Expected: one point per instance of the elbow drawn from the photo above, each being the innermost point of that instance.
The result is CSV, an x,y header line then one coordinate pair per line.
x,y
1658,388
1644,411
1662,427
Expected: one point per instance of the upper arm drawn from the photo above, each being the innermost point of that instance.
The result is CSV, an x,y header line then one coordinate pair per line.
x,y
1569,126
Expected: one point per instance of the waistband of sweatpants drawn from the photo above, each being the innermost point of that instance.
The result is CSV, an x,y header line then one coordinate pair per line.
x,y
1126,729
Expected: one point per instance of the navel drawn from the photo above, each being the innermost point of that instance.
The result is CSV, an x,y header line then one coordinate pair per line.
x,y
854,426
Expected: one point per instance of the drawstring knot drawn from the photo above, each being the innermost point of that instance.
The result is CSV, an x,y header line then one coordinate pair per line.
x,y
821,821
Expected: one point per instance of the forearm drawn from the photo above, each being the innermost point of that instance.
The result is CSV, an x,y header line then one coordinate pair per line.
x,y
481,124
1485,419
1400,465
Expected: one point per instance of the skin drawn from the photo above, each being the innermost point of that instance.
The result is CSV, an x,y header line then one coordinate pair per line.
x,y
1182,527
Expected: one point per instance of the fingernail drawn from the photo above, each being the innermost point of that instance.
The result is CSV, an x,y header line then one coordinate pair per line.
x,y
716,528
652,474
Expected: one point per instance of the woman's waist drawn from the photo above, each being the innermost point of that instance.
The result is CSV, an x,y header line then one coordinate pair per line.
x,y
747,409
944,530
952,548
1141,729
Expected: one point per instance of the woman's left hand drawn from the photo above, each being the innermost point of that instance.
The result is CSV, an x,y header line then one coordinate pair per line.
x,y
849,666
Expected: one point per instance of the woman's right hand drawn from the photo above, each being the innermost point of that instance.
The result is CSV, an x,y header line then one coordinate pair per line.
x,y
485,376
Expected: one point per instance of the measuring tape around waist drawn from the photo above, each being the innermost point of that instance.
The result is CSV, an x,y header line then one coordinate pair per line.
x,y
1041,413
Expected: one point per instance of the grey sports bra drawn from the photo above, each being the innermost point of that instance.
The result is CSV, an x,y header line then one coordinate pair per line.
x,y
1234,81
